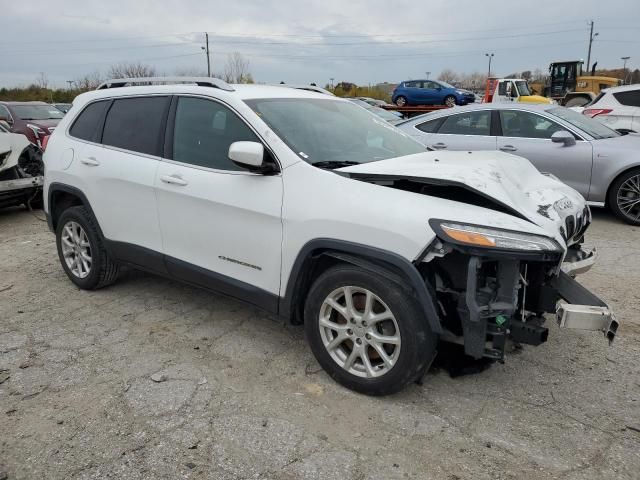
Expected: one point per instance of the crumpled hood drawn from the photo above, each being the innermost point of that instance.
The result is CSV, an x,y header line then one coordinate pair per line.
x,y
511,181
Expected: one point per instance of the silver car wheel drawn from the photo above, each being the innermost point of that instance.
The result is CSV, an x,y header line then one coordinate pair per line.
x,y
401,101
359,331
76,249
450,102
628,198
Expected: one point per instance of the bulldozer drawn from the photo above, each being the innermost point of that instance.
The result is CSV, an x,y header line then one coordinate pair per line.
x,y
569,87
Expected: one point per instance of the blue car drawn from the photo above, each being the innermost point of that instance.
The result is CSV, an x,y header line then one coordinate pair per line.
x,y
430,92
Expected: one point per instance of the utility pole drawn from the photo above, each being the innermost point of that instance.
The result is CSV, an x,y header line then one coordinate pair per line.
x,y
490,55
592,36
206,49
624,68
428,74
70,82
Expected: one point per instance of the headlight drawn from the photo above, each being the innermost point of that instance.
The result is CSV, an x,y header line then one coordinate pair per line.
x,y
486,237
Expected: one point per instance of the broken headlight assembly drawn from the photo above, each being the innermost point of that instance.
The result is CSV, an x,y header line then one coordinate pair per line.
x,y
492,238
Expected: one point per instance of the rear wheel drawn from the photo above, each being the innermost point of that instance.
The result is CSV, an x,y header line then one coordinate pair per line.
x,y
624,197
450,101
81,250
401,101
366,332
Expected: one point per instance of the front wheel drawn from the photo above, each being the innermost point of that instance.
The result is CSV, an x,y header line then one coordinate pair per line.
x,y
368,334
401,101
450,101
624,197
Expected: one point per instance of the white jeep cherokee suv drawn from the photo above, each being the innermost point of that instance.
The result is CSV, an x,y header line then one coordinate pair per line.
x,y
317,210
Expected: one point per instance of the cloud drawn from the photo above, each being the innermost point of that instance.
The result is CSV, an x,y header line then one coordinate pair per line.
x,y
299,42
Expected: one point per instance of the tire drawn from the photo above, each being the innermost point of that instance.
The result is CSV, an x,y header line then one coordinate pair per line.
x,y
401,101
449,101
577,102
624,197
415,344
77,234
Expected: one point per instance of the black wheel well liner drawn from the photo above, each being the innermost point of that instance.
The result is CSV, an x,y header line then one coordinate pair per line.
x,y
319,254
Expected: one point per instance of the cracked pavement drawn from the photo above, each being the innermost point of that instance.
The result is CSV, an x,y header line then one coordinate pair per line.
x,y
243,397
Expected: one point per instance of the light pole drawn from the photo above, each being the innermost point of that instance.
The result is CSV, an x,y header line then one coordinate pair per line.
x,y
428,73
624,68
206,50
490,55
332,79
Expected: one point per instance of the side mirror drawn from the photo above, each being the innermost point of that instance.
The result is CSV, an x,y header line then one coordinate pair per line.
x,y
562,136
249,155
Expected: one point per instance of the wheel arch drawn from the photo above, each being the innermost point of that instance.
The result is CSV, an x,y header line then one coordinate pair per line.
x,y
319,254
615,179
60,197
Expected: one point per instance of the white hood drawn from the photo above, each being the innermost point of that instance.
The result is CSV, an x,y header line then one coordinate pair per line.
x,y
509,180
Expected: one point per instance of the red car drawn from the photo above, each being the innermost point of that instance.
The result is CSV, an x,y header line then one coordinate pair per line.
x,y
36,120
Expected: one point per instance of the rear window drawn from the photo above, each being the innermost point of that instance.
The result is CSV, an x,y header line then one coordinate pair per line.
x,y
86,125
135,124
630,98
431,126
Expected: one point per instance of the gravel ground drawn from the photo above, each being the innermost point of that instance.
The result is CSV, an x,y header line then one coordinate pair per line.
x,y
242,397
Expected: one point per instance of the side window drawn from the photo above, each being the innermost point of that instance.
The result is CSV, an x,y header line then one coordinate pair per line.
x,y
527,125
630,98
431,126
431,85
412,84
502,89
135,124
203,132
85,126
470,123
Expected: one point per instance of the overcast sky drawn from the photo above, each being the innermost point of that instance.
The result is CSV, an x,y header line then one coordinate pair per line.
x,y
301,42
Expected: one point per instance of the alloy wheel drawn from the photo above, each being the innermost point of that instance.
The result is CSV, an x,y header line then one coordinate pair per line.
x,y
628,198
76,249
359,331
450,102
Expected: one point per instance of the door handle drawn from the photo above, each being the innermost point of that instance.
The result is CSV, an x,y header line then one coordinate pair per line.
x,y
439,146
508,148
174,180
90,161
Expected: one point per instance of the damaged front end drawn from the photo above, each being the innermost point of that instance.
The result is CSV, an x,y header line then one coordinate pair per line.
x,y
487,295
21,171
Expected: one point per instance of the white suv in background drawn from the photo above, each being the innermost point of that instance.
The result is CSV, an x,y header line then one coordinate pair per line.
x,y
617,107
319,211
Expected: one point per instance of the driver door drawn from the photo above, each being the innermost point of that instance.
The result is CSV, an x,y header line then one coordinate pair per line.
x,y
528,135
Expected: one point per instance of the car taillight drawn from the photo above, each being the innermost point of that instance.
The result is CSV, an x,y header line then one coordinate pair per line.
x,y
594,112
45,141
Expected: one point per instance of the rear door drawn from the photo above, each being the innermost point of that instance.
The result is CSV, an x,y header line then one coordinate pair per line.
x,y
528,135
118,167
221,224
461,131
413,90
430,92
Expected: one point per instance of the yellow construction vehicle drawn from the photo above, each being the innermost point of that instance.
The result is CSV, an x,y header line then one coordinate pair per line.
x,y
569,87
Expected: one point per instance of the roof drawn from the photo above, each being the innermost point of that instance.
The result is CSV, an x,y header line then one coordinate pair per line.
x,y
23,103
530,107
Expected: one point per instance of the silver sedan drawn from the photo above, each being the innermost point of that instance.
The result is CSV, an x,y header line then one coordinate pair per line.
x,y
600,163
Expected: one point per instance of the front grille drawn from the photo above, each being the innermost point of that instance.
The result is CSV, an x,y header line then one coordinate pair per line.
x,y
570,225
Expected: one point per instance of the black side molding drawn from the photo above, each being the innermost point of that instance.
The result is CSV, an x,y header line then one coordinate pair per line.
x,y
391,264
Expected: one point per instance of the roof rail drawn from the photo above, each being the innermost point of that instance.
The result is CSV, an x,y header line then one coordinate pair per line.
x,y
200,81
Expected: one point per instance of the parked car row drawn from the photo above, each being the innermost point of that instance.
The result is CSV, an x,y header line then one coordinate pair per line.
x,y
35,120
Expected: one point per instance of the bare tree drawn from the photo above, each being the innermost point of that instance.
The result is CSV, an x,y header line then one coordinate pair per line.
x,y
474,81
526,75
448,75
191,72
42,81
131,70
236,69
88,82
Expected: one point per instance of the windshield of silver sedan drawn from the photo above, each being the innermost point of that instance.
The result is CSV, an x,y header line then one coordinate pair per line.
x,y
593,127
332,133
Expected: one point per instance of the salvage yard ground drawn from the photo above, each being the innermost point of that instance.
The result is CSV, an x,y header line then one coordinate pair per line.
x,y
241,396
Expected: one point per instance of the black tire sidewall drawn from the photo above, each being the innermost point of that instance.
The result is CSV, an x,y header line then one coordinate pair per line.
x,y
80,216
613,196
418,342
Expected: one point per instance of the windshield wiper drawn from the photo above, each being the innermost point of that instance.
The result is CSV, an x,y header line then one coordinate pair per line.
x,y
331,164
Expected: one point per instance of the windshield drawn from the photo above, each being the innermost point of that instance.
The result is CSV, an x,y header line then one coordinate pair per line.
x,y
326,130
523,88
381,112
37,112
584,123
